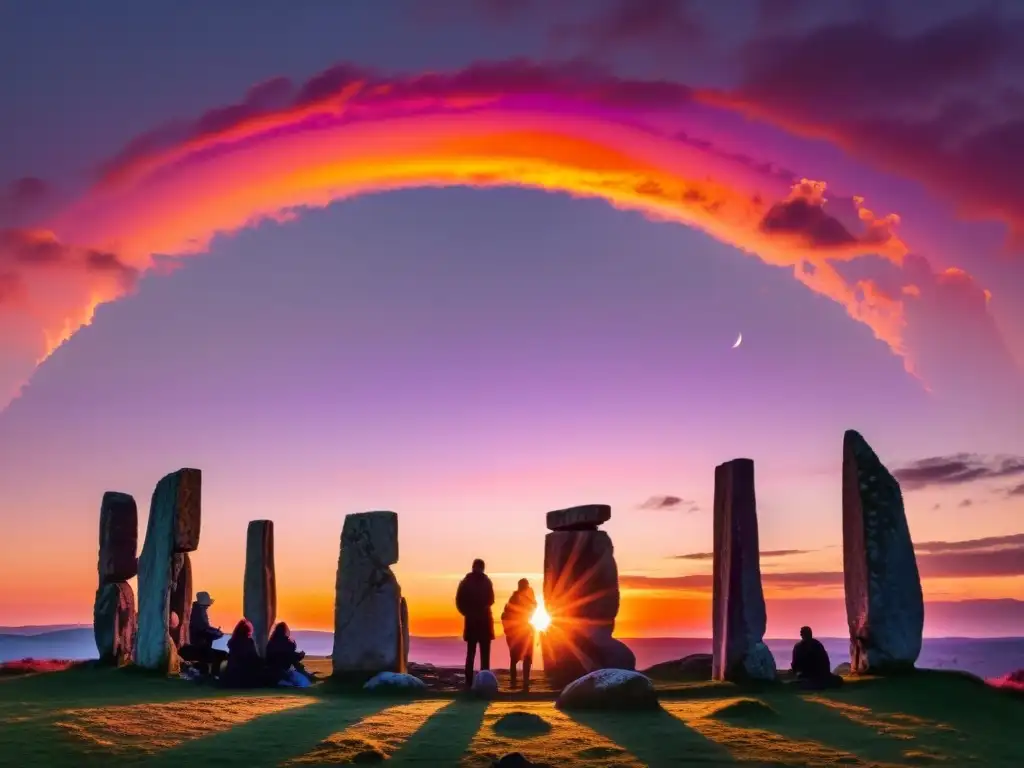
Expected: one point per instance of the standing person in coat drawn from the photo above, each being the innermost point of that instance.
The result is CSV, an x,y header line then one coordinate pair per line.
x,y
515,621
474,599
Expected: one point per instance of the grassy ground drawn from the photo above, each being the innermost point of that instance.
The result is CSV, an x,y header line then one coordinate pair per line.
x,y
83,717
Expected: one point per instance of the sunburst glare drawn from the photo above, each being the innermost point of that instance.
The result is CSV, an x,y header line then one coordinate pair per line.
x,y
540,619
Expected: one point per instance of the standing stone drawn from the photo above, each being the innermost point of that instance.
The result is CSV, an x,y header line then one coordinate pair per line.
x,y
114,619
738,611
173,527
114,623
405,632
119,538
181,597
581,594
259,591
884,602
368,600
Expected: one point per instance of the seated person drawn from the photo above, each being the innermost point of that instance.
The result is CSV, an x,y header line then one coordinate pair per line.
x,y
811,663
201,635
284,658
245,667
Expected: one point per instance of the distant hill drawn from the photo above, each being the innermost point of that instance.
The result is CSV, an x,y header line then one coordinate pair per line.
x,y
991,657
40,629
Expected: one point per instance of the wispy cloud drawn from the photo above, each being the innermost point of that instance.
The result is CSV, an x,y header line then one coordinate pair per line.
x,y
994,556
670,502
767,553
957,469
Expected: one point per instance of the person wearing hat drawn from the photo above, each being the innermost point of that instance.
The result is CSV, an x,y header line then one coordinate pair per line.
x,y
201,636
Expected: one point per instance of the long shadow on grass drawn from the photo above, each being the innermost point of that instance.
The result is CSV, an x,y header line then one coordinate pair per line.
x,y
270,739
656,738
445,736
807,720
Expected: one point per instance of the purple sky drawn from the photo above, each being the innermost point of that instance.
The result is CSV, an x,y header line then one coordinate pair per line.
x,y
468,358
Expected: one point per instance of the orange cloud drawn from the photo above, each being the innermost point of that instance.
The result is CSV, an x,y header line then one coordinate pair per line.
x,y
344,133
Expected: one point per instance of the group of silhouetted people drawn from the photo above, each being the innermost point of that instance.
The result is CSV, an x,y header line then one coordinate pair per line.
x,y
282,662
244,667
473,600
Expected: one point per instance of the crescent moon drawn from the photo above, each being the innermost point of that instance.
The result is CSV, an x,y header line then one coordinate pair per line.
x,y
739,340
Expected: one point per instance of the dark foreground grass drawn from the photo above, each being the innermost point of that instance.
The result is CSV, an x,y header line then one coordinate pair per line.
x,y
84,716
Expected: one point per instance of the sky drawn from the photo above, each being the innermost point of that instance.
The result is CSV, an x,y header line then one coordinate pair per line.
x,y
479,259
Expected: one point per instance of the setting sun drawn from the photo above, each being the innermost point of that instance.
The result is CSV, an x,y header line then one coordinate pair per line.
x,y
540,620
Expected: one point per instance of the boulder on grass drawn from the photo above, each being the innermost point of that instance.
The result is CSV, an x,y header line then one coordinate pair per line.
x,y
394,682
609,689
692,668
485,684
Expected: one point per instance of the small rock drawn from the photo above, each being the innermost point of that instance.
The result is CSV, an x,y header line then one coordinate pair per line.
x,y
583,518
514,760
394,681
485,684
522,725
609,689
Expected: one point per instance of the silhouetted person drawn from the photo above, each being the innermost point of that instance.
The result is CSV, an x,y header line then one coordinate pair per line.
x,y
811,663
515,620
245,668
283,654
474,599
201,635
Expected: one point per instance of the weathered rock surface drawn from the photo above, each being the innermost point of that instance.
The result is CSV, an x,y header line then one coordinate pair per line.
x,y
404,613
394,682
583,518
609,689
738,610
114,623
485,684
180,602
173,527
696,666
581,593
367,604
884,602
119,537
259,594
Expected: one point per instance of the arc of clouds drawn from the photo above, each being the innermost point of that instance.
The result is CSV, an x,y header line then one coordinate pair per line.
x,y
357,140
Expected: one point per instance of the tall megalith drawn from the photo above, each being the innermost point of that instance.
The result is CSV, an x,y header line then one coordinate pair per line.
x,y
581,595
165,573
739,616
114,618
259,592
884,602
368,632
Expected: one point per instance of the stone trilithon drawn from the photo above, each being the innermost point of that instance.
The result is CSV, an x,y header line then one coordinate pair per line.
x,y
581,595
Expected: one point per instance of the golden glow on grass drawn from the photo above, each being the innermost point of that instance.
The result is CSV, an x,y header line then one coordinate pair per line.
x,y
567,743
152,727
374,738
